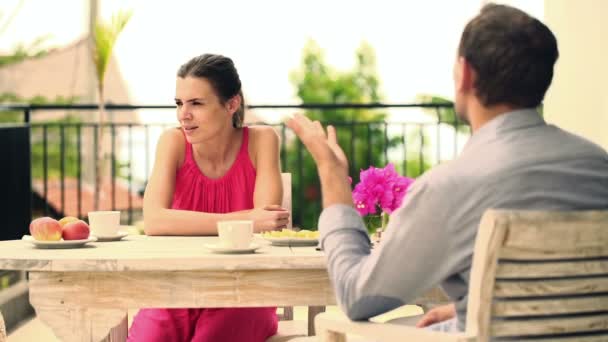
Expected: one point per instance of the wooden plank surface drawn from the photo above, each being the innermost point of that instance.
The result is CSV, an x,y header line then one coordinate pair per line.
x,y
544,252
490,236
519,270
158,253
550,287
586,230
83,324
546,307
581,338
127,290
562,325
105,279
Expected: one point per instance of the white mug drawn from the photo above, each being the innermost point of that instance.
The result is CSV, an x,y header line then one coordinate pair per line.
x,y
235,234
104,223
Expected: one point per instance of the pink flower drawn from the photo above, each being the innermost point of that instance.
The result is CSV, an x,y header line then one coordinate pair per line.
x,y
380,187
364,204
400,187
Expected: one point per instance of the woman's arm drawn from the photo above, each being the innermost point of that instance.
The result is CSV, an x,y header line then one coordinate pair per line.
x,y
159,219
268,185
268,191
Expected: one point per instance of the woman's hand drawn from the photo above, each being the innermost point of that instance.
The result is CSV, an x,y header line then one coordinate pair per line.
x,y
436,315
270,217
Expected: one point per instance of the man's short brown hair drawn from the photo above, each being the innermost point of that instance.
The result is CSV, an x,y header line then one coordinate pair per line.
x,y
513,55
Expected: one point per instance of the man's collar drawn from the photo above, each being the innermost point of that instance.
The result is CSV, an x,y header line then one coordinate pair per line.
x,y
509,121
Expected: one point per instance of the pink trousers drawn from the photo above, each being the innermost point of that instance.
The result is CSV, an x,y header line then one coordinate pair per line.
x,y
204,325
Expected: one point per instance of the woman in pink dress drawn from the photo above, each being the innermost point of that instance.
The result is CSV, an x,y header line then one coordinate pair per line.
x,y
211,169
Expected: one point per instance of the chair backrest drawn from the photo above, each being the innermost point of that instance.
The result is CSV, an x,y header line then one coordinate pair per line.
x,y
286,178
540,275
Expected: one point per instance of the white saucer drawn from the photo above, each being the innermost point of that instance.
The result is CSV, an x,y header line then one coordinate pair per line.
x,y
216,248
58,244
106,238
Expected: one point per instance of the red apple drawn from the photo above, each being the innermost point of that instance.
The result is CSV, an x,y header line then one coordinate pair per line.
x,y
45,229
75,230
67,220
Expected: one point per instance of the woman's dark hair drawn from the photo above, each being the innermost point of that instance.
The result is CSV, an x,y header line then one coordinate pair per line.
x,y
222,75
513,55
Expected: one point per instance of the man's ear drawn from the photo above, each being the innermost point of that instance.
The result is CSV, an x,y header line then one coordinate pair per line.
x,y
465,76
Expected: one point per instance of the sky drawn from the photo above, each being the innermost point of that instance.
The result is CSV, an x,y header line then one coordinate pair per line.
x,y
415,41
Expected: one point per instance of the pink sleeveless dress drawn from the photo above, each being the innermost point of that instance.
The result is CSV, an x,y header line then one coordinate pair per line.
x,y
194,191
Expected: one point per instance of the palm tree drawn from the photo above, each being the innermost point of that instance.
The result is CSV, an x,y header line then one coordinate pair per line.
x,y
104,39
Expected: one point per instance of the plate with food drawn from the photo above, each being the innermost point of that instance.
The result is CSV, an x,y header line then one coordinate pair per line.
x,y
58,243
69,232
290,237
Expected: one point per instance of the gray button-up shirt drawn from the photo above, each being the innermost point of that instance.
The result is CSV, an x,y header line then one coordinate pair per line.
x,y
515,161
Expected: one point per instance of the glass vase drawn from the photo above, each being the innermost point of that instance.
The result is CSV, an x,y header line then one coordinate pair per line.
x,y
376,222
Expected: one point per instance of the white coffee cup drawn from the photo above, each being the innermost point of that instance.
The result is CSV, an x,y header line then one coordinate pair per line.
x,y
235,234
104,223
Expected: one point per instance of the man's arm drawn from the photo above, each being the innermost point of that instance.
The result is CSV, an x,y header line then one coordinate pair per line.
x,y
335,186
411,258
412,255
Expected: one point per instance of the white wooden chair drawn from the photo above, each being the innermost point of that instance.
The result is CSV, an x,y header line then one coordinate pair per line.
x,y
286,179
288,328
536,276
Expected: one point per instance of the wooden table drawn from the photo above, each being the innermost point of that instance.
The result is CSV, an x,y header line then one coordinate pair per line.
x,y
84,293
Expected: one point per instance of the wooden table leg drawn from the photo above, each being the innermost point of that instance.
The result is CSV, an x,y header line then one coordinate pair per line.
x,y
119,333
73,317
85,324
312,312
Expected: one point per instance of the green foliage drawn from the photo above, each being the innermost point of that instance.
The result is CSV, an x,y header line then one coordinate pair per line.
x,y
8,278
361,132
445,115
317,82
104,39
17,116
22,52
53,136
37,100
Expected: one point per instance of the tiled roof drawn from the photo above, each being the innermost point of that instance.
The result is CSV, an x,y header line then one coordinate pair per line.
x,y
121,196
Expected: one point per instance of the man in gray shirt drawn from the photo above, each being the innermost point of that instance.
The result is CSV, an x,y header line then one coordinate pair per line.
x,y
513,160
